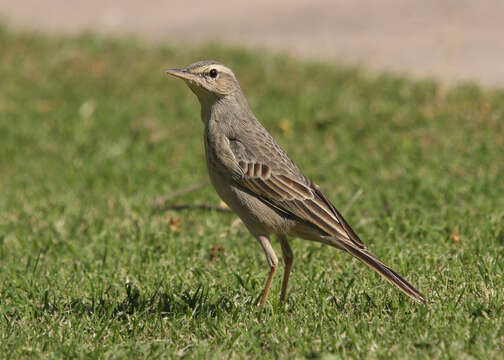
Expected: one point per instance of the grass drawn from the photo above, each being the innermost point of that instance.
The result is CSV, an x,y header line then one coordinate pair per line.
x,y
91,131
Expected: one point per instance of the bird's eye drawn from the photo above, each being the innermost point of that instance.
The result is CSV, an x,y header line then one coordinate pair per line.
x,y
213,73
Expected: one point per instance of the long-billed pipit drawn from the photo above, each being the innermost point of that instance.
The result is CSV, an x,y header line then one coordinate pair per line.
x,y
259,182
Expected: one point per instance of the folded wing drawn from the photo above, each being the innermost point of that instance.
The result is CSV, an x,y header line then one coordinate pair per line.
x,y
296,198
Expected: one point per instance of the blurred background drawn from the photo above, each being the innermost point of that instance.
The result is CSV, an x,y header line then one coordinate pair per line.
x,y
452,40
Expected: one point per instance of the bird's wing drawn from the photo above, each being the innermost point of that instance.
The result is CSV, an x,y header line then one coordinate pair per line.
x,y
292,196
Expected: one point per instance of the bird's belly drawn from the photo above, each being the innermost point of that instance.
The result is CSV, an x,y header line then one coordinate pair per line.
x,y
258,217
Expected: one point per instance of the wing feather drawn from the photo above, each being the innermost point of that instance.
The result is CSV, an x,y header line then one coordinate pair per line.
x,y
293,197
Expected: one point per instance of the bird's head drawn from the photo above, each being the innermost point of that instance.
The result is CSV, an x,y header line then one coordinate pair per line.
x,y
209,80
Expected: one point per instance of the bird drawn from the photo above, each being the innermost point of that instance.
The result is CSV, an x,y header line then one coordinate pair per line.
x,y
262,185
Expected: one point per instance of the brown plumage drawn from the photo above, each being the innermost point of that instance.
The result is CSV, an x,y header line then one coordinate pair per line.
x,y
256,179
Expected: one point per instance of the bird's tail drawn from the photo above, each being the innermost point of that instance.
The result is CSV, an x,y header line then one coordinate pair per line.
x,y
384,270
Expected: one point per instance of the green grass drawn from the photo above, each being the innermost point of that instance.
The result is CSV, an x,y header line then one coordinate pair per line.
x,y
91,131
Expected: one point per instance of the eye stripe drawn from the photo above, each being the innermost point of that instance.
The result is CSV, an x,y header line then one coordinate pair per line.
x,y
220,69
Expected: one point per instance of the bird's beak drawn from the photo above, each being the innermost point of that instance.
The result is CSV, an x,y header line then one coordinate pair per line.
x,y
182,74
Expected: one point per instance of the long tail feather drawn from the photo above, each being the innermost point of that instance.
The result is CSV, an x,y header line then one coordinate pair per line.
x,y
384,270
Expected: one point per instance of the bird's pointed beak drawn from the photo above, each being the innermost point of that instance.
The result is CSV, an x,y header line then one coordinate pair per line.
x,y
181,74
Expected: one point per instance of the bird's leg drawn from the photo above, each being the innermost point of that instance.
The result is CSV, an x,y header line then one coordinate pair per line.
x,y
272,261
288,259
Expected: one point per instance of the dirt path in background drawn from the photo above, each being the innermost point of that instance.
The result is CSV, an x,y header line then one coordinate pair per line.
x,y
450,39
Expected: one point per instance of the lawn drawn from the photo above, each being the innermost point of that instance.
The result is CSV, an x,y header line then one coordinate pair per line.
x,y
92,131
